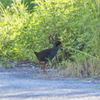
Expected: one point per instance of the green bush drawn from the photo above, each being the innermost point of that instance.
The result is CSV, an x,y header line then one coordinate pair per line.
x,y
73,22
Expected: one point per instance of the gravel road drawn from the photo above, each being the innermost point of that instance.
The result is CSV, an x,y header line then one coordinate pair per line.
x,y
28,84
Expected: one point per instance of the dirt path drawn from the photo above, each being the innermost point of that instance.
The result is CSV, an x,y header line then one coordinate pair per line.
x,y
28,83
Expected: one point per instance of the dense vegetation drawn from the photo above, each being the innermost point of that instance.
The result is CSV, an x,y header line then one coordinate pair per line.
x,y
76,23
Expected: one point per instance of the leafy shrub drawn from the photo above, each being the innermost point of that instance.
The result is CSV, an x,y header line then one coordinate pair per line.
x,y
73,22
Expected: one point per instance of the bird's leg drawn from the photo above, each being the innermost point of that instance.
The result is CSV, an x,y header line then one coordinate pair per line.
x,y
43,67
40,63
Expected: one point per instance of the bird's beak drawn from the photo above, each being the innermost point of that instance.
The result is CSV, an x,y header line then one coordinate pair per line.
x,y
62,44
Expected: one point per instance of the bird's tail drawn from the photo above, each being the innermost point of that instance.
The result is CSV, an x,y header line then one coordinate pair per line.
x,y
36,54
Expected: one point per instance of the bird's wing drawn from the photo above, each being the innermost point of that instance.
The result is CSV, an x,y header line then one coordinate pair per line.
x,y
45,53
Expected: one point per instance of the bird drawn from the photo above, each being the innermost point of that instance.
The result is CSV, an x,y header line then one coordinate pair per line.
x,y
47,54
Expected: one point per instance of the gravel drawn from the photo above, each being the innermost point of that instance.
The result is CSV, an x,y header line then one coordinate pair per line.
x,y
28,83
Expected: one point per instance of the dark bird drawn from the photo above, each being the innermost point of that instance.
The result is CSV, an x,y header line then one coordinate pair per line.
x,y
47,54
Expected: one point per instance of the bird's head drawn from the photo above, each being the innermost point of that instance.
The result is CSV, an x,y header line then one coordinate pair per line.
x,y
58,43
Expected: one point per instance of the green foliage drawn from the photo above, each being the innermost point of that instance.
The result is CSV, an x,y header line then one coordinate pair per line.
x,y
6,2
27,3
75,23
